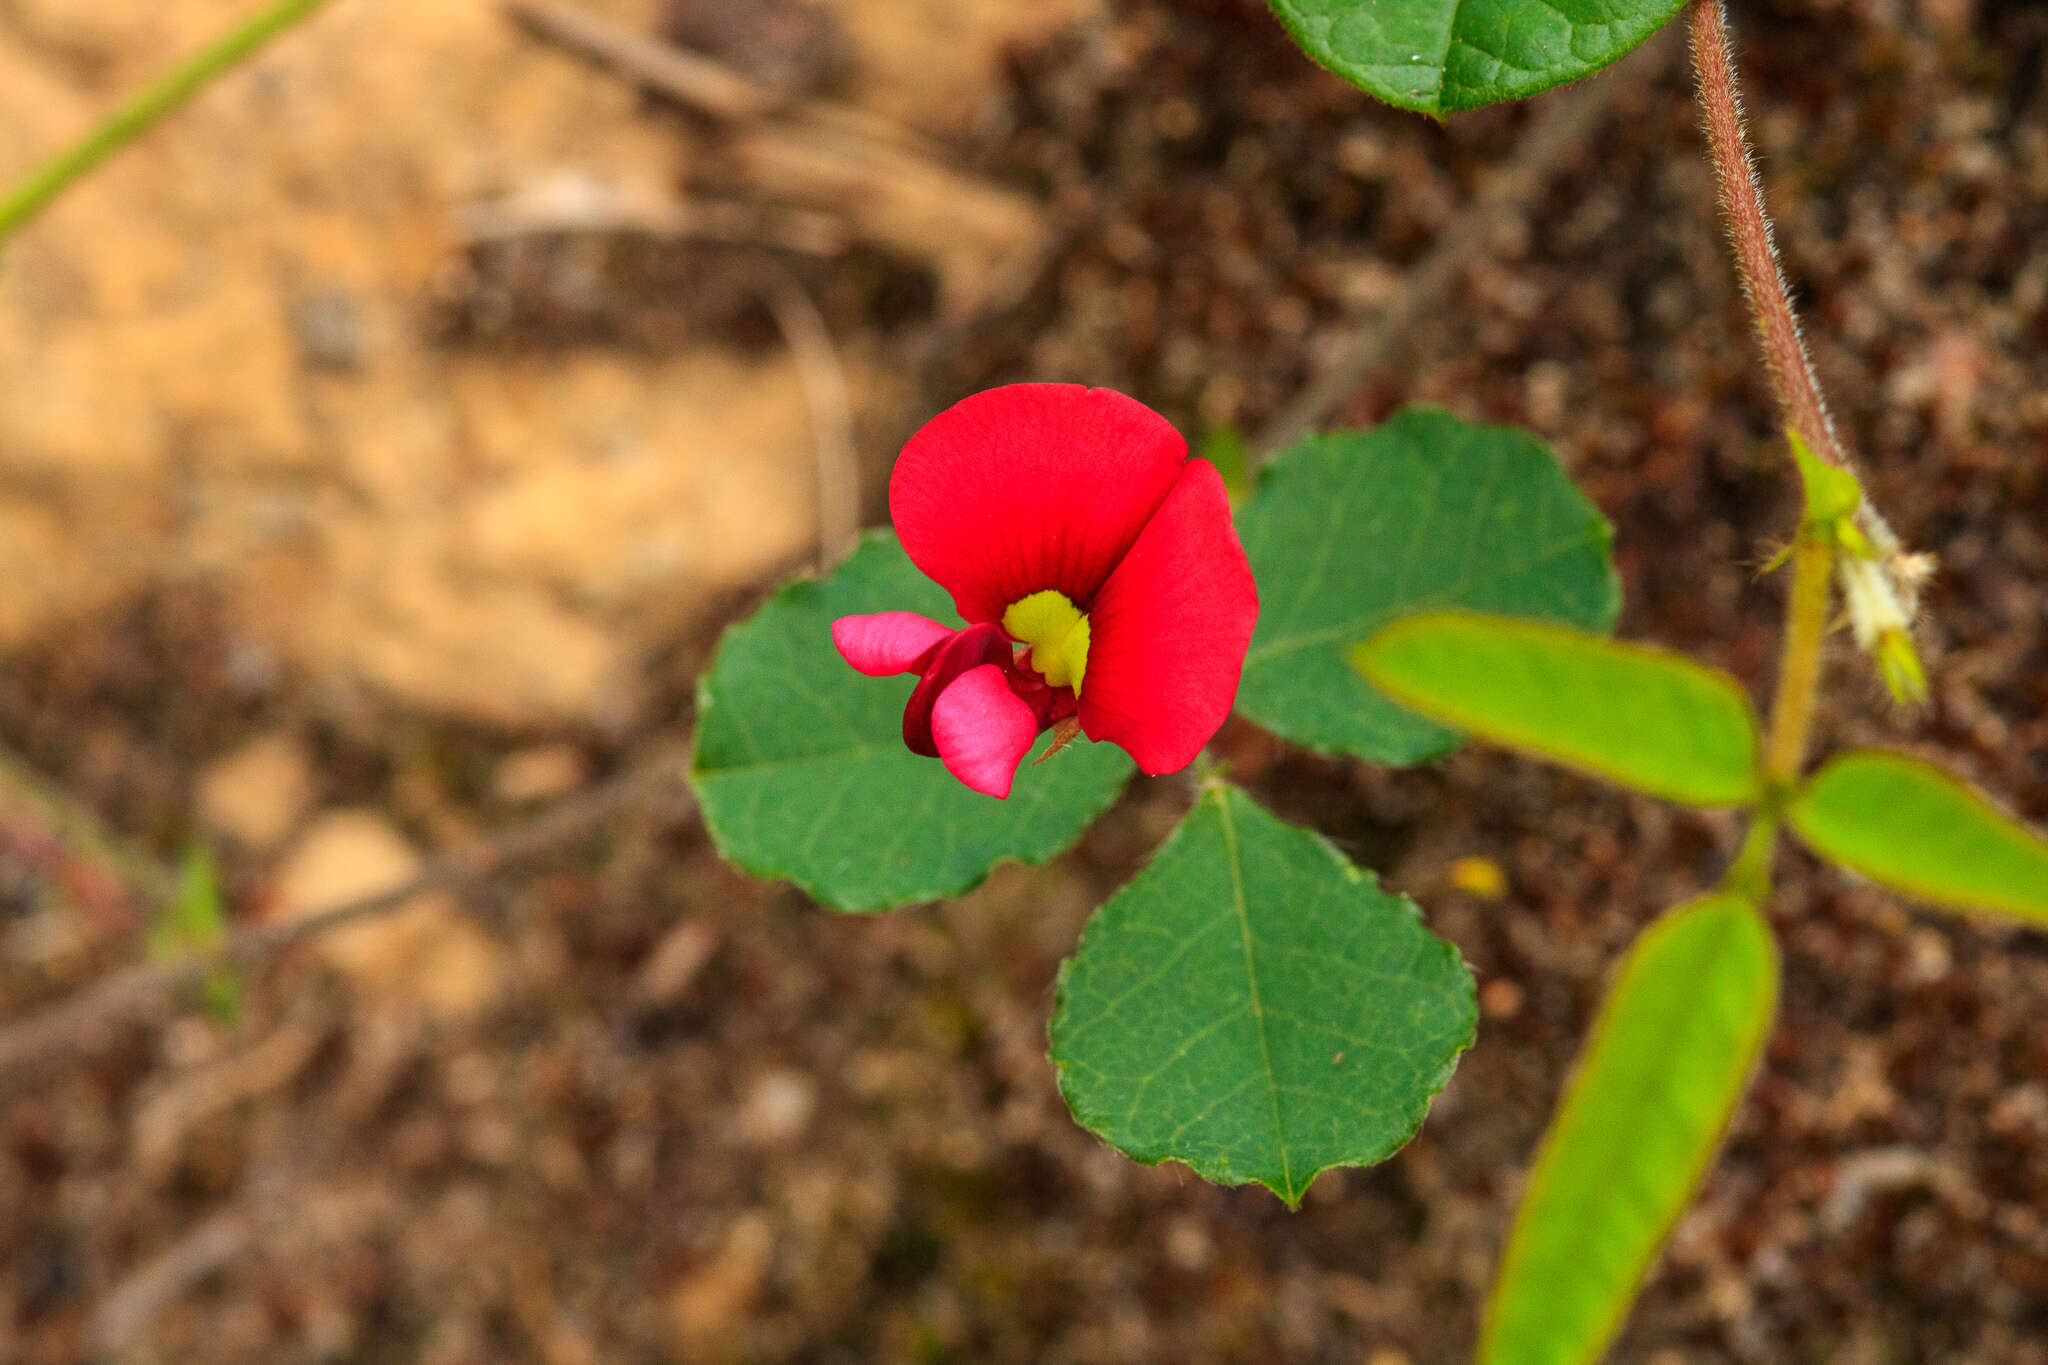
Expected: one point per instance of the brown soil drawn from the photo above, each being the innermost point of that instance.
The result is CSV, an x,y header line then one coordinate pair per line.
x,y
336,536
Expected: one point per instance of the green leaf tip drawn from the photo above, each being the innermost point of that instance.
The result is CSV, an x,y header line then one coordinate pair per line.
x,y
1644,717
1441,57
1350,530
1668,1058
1910,826
802,774
1254,1006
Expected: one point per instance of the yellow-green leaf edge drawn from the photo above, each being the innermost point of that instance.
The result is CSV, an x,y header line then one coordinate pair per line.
x,y
1606,1036
1367,659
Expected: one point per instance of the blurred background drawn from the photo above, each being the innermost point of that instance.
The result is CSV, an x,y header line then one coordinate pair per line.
x,y
386,438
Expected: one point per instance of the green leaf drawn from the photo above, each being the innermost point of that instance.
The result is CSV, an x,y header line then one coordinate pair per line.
x,y
1643,717
802,772
1913,827
1445,56
1255,1006
1668,1058
1350,530
195,918
195,921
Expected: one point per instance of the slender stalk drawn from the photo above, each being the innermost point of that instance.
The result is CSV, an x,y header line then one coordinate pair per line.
x,y
1806,624
1749,233
35,191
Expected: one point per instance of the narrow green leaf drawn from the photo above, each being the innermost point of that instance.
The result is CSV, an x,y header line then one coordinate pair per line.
x,y
1911,826
195,921
802,771
1350,530
195,918
1255,1006
1668,1058
1643,717
1444,56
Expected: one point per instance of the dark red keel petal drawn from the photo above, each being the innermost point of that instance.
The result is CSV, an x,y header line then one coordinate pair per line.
x,y
970,648
1029,487
1170,628
887,642
983,730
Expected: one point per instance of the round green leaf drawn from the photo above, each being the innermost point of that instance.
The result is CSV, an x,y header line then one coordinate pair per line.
x,y
1646,718
1255,1006
1669,1055
1446,56
1351,530
1911,826
802,772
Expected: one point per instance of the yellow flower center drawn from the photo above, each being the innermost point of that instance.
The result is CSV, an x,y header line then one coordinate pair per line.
x,y
1057,633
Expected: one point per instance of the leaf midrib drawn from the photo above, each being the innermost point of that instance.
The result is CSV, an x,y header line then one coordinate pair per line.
x,y
1251,972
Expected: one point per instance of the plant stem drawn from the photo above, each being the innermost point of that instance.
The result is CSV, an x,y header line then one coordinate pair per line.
x,y
1749,232
35,191
1806,624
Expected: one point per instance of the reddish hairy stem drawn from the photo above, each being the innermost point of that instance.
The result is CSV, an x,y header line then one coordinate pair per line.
x,y
1749,232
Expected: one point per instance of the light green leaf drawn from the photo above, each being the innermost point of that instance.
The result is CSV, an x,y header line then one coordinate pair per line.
x,y
1668,1058
1444,56
195,918
194,921
1255,1006
1911,826
802,771
1350,530
1643,717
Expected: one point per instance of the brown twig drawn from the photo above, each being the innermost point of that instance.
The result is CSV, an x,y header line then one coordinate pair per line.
x,y
133,994
166,1277
696,82
824,381
1561,129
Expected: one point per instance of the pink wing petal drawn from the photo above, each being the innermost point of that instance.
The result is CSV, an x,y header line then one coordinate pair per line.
x,y
969,648
887,642
983,730
1170,628
1028,487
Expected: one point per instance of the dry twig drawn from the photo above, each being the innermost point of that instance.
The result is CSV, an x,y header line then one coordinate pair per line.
x,y
1565,121
135,994
824,380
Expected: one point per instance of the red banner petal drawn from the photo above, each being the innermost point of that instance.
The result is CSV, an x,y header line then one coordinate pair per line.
x,y
1170,629
1029,487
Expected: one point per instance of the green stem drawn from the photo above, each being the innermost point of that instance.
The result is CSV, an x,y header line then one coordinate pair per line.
x,y
35,191
1806,624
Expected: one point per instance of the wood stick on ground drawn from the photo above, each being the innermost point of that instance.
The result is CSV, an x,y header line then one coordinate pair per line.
x,y
88,1019
892,184
165,1278
691,80
1563,123
824,381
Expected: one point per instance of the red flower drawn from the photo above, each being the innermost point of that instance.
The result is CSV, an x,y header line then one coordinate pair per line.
x,y
1068,521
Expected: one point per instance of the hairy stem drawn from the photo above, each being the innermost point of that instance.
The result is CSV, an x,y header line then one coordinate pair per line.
x,y
35,191
1749,233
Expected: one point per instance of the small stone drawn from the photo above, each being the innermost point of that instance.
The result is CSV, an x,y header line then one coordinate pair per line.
x,y
258,792
424,951
675,962
777,1109
540,772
